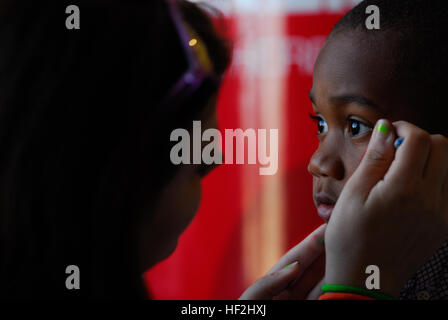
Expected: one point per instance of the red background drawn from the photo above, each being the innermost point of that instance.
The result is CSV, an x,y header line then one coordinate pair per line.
x,y
208,261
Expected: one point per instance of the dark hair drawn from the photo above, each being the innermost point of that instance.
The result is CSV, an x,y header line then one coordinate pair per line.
x,y
82,145
421,29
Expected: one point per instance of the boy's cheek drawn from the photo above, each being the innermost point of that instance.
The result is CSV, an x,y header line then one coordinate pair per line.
x,y
315,184
362,155
357,155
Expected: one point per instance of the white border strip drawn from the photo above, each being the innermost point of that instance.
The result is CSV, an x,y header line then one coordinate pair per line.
x,y
279,6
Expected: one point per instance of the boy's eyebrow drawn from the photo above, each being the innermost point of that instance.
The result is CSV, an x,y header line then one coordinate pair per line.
x,y
350,98
358,99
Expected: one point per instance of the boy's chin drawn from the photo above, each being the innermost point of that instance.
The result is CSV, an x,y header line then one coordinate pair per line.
x,y
324,211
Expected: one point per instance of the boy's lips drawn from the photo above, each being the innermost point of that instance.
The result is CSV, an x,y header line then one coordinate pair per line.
x,y
325,205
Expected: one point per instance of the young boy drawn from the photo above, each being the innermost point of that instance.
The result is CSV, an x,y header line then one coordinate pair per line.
x,y
361,75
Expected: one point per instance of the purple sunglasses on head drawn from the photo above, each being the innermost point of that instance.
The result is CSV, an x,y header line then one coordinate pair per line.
x,y
199,72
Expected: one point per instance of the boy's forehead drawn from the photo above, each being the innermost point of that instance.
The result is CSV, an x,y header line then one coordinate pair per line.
x,y
351,64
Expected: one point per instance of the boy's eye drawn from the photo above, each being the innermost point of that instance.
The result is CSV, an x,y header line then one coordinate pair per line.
x,y
322,126
356,127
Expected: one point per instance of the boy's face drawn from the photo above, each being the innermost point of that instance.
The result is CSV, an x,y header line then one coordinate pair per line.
x,y
352,89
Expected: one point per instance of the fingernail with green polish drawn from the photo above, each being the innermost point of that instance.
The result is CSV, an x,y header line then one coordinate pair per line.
x,y
290,265
383,128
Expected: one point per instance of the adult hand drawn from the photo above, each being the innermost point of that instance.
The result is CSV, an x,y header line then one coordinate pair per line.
x,y
393,211
301,279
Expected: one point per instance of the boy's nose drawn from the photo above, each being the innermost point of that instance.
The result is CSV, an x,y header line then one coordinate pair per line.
x,y
326,164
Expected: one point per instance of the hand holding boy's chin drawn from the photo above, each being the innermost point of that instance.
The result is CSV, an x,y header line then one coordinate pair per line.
x,y
393,212
297,275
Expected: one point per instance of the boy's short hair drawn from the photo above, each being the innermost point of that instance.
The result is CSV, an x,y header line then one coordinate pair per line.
x,y
420,27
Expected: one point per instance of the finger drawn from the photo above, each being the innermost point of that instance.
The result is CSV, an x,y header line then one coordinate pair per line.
x,y
309,278
272,284
305,252
302,254
300,288
411,157
376,161
316,292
